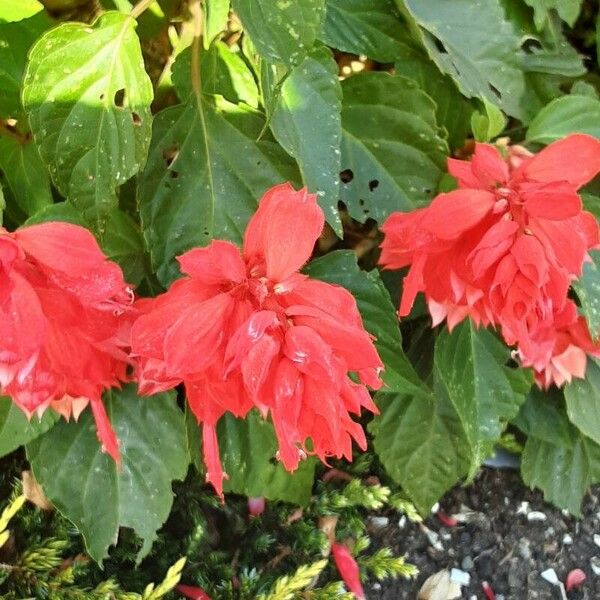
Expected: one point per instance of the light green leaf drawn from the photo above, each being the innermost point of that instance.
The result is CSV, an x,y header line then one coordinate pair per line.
x,y
583,401
16,10
61,211
587,288
422,445
568,10
307,122
282,30
392,155
378,313
204,177
215,14
16,430
26,175
88,488
370,27
248,448
452,110
88,98
487,123
222,71
569,114
15,41
474,44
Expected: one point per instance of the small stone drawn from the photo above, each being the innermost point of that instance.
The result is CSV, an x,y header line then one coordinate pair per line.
x,y
376,586
523,508
524,549
499,596
446,536
402,522
467,563
536,515
567,539
379,522
460,577
595,564
597,539
435,507
550,576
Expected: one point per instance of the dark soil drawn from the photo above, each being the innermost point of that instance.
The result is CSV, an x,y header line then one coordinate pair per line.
x,y
498,544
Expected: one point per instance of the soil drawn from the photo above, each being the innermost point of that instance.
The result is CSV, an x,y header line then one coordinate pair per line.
x,y
499,543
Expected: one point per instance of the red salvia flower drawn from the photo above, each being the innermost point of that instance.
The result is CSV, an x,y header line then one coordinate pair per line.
x,y
348,569
64,315
504,248
246,329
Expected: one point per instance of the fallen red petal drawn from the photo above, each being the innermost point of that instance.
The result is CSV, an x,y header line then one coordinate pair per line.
x,y
574,579
488,591
194,593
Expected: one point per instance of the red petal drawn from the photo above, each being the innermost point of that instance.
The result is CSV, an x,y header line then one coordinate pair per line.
x,y
462,171
212,460
488,591
193,593
575,159
574,579
446,520
283,231
451,214
106,434
218,262
348,569
554,201
488,166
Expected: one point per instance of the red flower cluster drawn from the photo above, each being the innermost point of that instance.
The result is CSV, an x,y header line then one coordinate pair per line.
x,y
504,248
64,315
245,329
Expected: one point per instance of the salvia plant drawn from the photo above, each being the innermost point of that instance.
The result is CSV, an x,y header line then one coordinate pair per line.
x,y
260,235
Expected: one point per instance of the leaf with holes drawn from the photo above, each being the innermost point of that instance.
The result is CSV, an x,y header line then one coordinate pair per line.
x,y
87,487
88,99
282,30
392,153
474,44
568,10
370,27
204,177
378,313
16,430
26,175
307,122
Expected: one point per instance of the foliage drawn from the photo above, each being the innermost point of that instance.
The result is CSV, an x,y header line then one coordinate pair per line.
x,y
157,127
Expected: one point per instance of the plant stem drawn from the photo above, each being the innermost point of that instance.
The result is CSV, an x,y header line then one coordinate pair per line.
x,y
139,8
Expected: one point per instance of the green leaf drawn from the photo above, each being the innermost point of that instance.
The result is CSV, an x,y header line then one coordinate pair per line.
x,y
583,401
474,44
88,488
430,441
61,211
16,430
488,123
16,10
392,155
215,14
248,448
307,123
282,30
204,176
15,41
422,445
223,72
569,114
378,313
26,175
370,27
88,97
453,110
568,10
587,288
470,365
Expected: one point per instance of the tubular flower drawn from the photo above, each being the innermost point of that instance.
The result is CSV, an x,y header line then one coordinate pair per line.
x,y
245,329
64,314
504,248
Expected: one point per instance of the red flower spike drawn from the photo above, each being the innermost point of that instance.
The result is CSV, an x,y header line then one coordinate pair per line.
x,y
488,591
244,329
193,593
575,579
65,316
503,250
348,569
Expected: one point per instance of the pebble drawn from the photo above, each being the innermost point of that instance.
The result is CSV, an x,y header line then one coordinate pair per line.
x,y
467,563
595,564
460,577
376,586
536,515
567,539
402,522
524,549
523,508
550,576
597,539
379,522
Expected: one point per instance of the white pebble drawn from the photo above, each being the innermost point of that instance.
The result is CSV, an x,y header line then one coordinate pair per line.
x,y
536,515
567,539
595,564
550,576
460,577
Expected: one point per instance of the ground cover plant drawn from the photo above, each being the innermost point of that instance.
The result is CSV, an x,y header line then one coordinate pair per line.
x,y
244,240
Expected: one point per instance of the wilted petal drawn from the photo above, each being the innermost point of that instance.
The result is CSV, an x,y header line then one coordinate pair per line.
x,y
348,569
